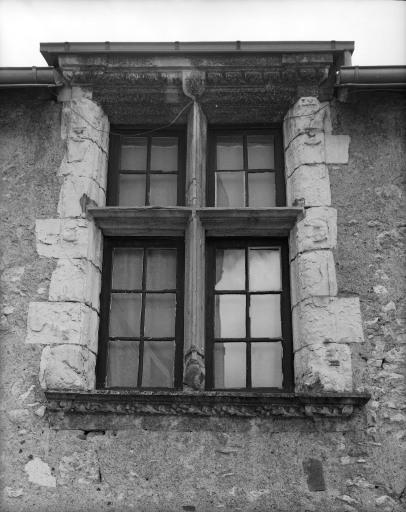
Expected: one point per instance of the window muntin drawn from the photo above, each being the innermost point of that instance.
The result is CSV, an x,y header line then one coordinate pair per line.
x,y
141,334
245,169
248,314
146,170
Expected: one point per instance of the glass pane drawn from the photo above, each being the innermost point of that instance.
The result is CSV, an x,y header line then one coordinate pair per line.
x,y
134,154
230,152
230,269
261,189
264,269
132,190
127,269
164,154
163,190
266,364
260,152
265,314
159,362
229,318
230,189
161,269
125,314
122,363
160,311
229,365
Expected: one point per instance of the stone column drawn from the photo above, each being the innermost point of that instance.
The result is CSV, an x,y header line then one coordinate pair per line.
x,y
324,325
194,369
67,324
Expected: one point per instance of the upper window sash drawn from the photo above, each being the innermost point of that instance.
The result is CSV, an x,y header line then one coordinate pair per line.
x,y
245,168
147,169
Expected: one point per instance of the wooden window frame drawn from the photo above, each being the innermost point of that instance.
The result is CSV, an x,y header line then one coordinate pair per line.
x,y
110,243
113,179
245,131
287,348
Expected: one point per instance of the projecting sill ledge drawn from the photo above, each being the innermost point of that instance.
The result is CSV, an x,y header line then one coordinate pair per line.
x,y
141,221
277,221
203,404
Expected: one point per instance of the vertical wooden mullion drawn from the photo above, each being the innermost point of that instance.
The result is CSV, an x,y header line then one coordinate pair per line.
x,y
245,165
287,348
210,312
142,320
147,176
247,321
113,175
105,298
179,322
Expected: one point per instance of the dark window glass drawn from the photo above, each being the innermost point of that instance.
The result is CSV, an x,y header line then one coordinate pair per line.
x,y
245,169
248,314
146,170
141,314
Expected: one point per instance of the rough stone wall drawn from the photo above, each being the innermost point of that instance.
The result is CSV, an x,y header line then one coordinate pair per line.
x,y
201,464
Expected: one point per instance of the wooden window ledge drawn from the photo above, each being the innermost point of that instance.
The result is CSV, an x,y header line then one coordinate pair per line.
x,y
203,404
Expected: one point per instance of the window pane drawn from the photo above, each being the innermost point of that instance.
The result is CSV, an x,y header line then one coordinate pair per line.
x,y
125,314
158,365
161,269
266,363
229,318
260,152
264,269
122,363
163,190
132,190
229,365
230,269
134,154
160,311
261,189
265,314
230,152
127,269
230,189
164,154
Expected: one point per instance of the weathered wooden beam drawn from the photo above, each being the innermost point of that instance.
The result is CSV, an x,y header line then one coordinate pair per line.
x,y
194,340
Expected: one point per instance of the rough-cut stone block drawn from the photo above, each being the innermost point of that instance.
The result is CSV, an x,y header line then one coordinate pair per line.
x,y
76,280
337,149
309,185
62,322
321,320
76,194
325,367
313,274
306,115
85,159
305,149
69,238
86,120
67,367
317,230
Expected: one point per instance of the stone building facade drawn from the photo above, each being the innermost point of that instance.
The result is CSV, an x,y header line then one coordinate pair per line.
x,y
333,438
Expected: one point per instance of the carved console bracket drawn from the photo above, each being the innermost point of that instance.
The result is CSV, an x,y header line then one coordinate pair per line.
x,y
203,403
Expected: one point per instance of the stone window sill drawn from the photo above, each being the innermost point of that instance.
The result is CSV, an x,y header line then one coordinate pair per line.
x,y
203,404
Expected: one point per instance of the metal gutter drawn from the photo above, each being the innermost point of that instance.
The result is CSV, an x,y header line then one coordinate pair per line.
x,y
51,51
371,77
29,77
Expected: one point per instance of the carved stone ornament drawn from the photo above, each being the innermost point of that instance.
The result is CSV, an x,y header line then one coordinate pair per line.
x,y
207,403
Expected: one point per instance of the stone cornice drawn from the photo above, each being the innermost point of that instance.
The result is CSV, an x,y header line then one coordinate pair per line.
x,y
206,403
